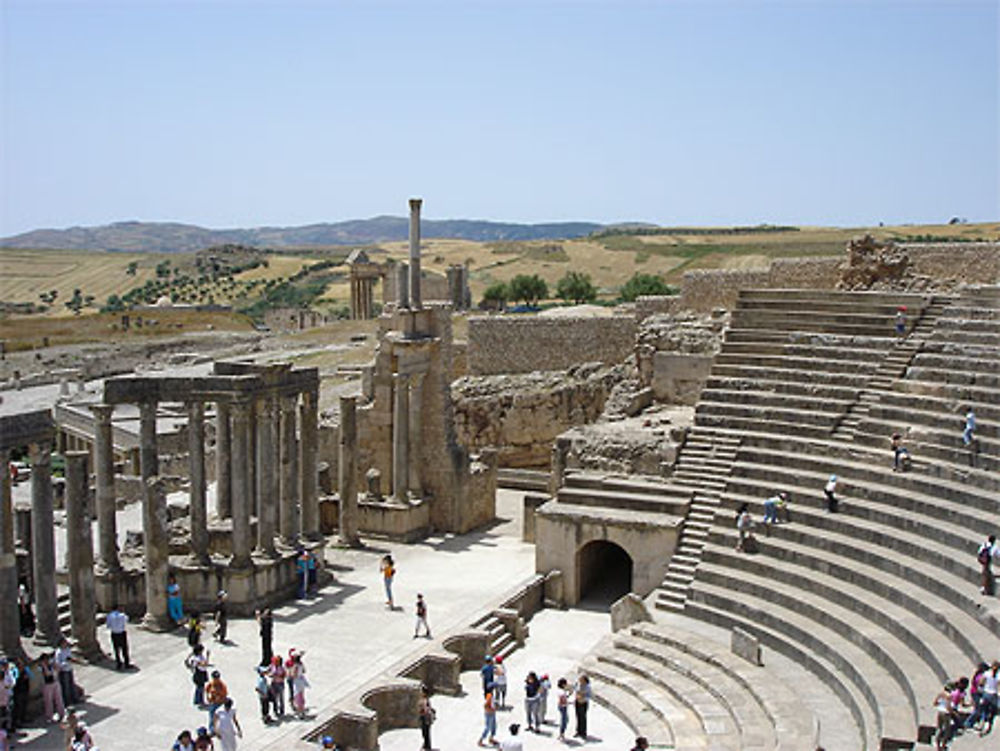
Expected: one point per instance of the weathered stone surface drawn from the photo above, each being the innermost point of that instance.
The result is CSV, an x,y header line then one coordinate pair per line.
x,y
679,334
747,646
645,445
628,610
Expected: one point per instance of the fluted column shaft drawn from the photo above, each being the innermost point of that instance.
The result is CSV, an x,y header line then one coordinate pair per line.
x,y
80,554
347,471
400,437
149,459
223,462
104,471
242,497
268,488
309,429
156,544
10,632
289,508
198,503
43,545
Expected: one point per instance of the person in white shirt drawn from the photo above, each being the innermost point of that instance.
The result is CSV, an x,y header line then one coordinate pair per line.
x,y
514,742
116,622
64,671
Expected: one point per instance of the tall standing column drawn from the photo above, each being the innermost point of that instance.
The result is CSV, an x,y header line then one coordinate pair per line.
x,y
268,489
10,632
289,509
104,470
156,544
415,253
223,462
415,479
347,472
241,484
402,286
43,545
400,437
309,429
149,459
80,555
199,506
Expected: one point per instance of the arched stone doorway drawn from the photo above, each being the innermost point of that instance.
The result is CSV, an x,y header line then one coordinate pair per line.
x,y
604,572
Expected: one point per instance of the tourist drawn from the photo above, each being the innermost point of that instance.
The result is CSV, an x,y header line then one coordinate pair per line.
x,y
302,572
388,568
771,511
900,454
263,689
194,629
266,622
744,526
116,621
327,742
783,507
216,692
830,490
184,742
175,607
197,662
641,744
500,682
943,708
969,434
203,742
25,612
277,673
299,683
531,686
544,685
51,693
8,677
985,555
562,703
487,672
490,720
289,664
583,693
63,662
901,320
69,726
426,716
421,618
312,574
227,726
987,708
221,616
22,690
81,739
513,743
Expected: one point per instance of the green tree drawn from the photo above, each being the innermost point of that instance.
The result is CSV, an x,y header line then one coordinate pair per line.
x,y
531,289
132,268
113,305
496,294
163,269
644,284
576,286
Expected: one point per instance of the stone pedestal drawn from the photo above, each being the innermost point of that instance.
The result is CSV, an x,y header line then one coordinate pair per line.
x,y
241,484
104,471
198,504
309,427
223,462
10,633
80,556
43,546
347,470
156,544
268,486
289,509
400,437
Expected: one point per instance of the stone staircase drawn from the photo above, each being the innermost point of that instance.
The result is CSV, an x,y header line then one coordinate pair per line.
x,y
879,602
705,462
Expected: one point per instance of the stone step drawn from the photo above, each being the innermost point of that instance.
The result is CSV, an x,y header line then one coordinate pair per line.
x,y
807,319
765,398
947,421
787,362
956,626
948,391
953,358
791,387
779,427
884,695
851,697
632,485
764,413
930,445
785,372
820,305
945,376
676,505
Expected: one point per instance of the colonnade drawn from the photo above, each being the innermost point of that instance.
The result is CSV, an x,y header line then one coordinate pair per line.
x,y
362,297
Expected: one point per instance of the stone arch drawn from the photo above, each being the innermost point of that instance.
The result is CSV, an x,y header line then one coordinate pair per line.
x,y
604,571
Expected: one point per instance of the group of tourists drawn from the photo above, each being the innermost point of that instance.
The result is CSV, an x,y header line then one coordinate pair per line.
x,y
537,687
193,622
967,704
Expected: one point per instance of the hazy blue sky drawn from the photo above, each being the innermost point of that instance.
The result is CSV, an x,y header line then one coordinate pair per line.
x,y
247,113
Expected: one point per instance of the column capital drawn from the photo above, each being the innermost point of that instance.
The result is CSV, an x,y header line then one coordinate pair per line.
x,y
416,203
102,412
240,409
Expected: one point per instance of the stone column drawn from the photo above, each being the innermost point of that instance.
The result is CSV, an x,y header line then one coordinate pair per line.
x,y
198,503
241,496
80,555
268,489
557,469
43,545
309,429
400,437
354,297
149,460
289,509
415,479
104,471
156,544
223,462
402,286
415,252
347,472
10,632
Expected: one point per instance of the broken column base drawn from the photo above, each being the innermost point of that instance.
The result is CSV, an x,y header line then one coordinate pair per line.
x,y
385,519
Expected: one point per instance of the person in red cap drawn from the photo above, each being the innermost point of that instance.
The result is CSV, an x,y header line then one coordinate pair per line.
x,y
901,320
500,682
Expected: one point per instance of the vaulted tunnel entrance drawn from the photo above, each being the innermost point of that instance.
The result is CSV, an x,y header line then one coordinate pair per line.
x,y
604,572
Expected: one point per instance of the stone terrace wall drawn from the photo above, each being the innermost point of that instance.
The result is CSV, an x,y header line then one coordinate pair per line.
x,y
812,272
521,344
972,263
650,305
703,291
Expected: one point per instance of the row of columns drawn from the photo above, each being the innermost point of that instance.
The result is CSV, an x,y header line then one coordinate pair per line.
x,y
362,297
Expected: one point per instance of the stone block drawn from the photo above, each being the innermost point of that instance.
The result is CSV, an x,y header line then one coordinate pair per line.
x,y
628,610
747,646
531,502
679,378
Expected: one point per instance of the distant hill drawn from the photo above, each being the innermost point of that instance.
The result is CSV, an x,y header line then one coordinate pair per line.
x,y
168,237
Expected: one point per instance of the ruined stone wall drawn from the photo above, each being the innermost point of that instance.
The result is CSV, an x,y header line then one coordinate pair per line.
x,y
432,286
521,344
811,272
971,263
703,291
649,305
